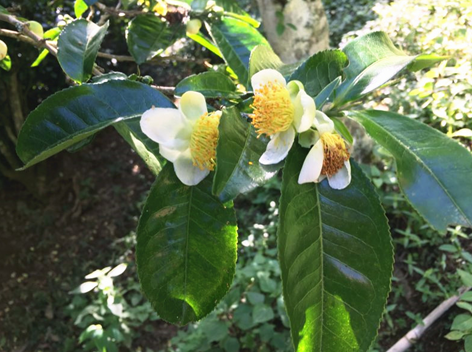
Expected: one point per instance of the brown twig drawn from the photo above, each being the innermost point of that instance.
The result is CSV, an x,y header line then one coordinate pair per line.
x,y
17,35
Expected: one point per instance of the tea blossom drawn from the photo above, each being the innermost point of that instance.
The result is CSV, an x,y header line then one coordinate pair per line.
x,y
280,110
329,156
187,136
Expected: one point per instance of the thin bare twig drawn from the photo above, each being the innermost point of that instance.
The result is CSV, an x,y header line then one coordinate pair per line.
x,y
415,334
119,13
17,36
156,60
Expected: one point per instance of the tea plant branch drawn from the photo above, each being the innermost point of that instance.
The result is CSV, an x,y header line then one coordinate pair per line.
x,y
117,12
415,334
36,40
18,36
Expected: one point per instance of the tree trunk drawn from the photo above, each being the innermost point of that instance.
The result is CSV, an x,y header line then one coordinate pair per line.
x,y
296,29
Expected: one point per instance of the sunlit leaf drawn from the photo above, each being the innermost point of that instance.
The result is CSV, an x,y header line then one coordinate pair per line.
x,y
336,260
186,248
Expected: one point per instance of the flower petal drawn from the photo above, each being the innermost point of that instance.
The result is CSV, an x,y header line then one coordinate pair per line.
x,y
323,123
189,174
342,178
266,76
305,111
278,147
168,153
193,105
311,169
166,126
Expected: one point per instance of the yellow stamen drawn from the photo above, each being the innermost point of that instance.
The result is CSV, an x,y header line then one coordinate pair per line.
x,y
204,139
273,109
335,153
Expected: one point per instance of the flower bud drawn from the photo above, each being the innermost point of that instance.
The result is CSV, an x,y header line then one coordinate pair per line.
x,y
193,26
36,28
3,50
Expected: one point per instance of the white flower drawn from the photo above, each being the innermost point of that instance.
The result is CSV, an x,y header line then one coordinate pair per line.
x,y
187,137
329,157
280,110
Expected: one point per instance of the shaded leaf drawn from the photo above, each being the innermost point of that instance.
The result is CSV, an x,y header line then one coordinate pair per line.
x,y
210,84
433,170
148,36
236,39
237,154
78,46
186,248
336,260
71,115
320,70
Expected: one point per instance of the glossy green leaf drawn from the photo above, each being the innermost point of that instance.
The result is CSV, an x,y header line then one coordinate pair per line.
x,y
232,9
327,93
342,130
320,70
186,248
237,154
80,6
236,39
433,170
69,116
336,260
373,61
210,84
78,46
149,35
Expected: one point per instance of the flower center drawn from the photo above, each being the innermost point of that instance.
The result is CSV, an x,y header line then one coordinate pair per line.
x,y
273,109
204,139
335,153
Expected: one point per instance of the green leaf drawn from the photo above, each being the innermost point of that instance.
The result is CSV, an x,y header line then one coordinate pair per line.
x,y
373,61
262,313
237,154
425,61
146,148
78,46
205,42
320,70
263,57
462,322
465,277
232,9
342,130
186,248
148,36
467,296
73,114
4,10
80,6
465,305
5,64
433,170
210,84
50,34
326,94
455,335
236,39
336,260
468,343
